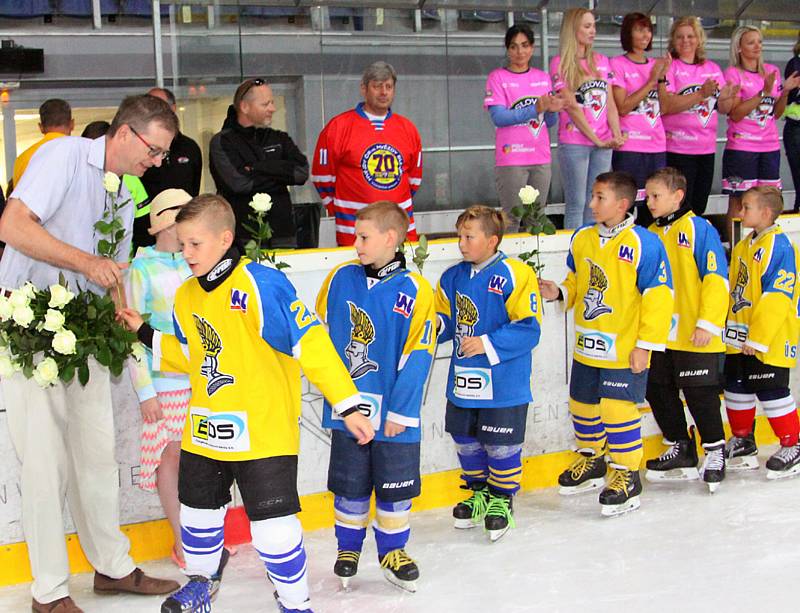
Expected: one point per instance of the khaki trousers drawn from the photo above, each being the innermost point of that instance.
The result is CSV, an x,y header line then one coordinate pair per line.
x,y
64,438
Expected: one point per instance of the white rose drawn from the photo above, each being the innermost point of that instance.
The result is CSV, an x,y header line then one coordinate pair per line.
x,y
59,296
46,372
6,366
261,203
64,342
53,320
528,194
22,316
29,289
6,309
18,298
111,183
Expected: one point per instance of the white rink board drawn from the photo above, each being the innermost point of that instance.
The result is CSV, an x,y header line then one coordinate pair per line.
x,y
548,429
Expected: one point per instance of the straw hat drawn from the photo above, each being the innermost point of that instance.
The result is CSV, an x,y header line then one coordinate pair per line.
x,y
164,209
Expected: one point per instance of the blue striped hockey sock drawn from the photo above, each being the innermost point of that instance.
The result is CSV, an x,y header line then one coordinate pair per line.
x,y
279,543
352,516
505,468
473,459
202,533
391,525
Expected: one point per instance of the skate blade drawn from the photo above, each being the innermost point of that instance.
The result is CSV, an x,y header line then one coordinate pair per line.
x,y
745,462
496,535
464,524
615,510
345,581
675,474
408,586
712,487
586,486
774,475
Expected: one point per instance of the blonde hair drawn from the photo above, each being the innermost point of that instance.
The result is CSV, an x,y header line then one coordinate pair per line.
x,y
570,67
214,210
694,23
768,197
386,215
736,48
493,222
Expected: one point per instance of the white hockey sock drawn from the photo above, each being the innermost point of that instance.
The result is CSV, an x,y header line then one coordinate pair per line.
x,y
279,543
202,533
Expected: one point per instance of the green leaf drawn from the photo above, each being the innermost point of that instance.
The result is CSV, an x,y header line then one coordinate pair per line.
x,y
423,242
83,374
102,226
116,367
67,373
103,247
104,355
91,312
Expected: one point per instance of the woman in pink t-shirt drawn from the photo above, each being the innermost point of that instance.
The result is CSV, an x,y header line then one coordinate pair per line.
x,y
690,99
519,100
635,87
752,153
588,128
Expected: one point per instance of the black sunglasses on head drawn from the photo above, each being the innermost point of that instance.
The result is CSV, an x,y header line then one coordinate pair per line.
x,y
250,85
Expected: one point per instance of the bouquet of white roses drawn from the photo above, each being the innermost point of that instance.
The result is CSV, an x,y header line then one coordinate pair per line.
x,y
50,334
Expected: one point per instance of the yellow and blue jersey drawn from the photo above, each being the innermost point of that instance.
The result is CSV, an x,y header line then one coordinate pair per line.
x,y
384,331
763,309
501,304
699,278
625,283
242,345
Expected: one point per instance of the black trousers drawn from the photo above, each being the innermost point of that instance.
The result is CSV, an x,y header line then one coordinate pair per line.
x,y
699,173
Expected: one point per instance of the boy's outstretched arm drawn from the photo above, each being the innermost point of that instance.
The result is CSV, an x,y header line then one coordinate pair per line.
x,y
170,352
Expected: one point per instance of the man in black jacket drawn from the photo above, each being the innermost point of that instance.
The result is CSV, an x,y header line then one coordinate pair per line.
x,y
248,157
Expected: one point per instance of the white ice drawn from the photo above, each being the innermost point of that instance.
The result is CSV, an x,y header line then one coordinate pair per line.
x,y
684,550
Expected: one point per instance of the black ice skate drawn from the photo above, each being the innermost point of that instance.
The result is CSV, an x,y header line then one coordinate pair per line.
x,y
584,474
470,512
741,453
499,516
713,470
400,570
621,495
784,463
677,463
346,566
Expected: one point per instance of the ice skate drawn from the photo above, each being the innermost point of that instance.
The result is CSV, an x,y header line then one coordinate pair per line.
x,y
470,512
400,570
193,597
741,453
713,470
499,516
784,463
282,608
584,474
346,567
621,495
677,463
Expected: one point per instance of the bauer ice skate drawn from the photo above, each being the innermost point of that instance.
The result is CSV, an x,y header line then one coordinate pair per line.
x,y
784,463
346,566
470,512
741,453
621,495
499,516
677,463
400,570
713,470
584,474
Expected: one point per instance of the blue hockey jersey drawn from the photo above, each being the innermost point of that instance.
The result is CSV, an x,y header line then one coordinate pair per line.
x,y
501,304
384,332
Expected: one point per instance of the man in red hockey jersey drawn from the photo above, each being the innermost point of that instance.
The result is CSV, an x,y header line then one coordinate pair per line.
x,y
367,154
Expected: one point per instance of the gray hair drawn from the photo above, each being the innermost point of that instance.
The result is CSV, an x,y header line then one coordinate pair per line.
x,y
379,71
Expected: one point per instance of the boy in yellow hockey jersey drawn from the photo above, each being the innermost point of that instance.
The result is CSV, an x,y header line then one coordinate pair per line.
x,y
761,334
694,347
242,335
621,274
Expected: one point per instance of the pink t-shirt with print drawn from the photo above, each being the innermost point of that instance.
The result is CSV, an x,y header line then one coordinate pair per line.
x,y
528,143
593,95
693,131
757,131
642,125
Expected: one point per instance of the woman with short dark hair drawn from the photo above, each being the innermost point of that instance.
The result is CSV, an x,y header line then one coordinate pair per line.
x,y
791,128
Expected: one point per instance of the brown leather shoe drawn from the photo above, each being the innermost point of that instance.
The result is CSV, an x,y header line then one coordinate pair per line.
x,y
135,583
62,605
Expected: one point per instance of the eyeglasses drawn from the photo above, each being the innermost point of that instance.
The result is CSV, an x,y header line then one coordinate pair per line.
x,y
152,150
249,85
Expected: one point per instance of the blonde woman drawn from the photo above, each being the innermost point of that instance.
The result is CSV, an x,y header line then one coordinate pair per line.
x,y
691,99
588,129
752,153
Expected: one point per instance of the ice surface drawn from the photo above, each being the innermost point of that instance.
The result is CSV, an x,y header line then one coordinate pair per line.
x,y
684,550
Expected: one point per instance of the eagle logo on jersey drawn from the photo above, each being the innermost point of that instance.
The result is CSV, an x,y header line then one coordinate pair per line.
x,y
382,166
466,318
534,125
737,293
362,334
593,300
594,96
212,346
